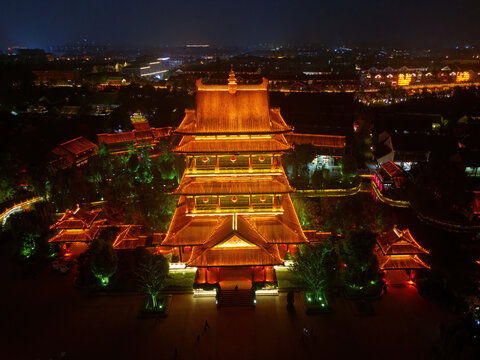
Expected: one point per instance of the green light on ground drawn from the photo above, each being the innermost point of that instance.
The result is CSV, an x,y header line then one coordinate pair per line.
x,y
104,280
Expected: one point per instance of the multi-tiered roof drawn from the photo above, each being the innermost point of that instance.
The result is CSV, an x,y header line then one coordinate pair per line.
x,y
398,250
234,205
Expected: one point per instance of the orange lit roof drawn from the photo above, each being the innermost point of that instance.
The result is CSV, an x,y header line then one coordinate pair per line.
x,y
129,237
218,111
216,146
75,146
80,234
258,252
141,125
402,262
399,242
476,202
188,230
392,169
76,219
193,230
335,141
146,134
224,185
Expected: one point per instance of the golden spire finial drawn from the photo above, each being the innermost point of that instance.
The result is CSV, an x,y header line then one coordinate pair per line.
x,y
232,81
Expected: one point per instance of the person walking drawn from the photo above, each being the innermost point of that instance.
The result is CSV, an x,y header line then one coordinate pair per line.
x,y
206,326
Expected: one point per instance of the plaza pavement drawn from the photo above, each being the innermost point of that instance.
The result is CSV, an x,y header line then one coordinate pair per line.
x,y
44,315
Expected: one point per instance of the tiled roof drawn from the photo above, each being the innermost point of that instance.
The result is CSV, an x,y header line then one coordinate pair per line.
x,y
75,146
193,230
259,252
189,145
335,141
77,219
402,262
222,185
398,242
220,112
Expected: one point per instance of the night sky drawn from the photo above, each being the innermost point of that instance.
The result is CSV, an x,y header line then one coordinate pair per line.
x,y
407,23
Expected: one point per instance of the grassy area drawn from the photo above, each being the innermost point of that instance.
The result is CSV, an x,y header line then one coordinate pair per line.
x,y
287,280
180,280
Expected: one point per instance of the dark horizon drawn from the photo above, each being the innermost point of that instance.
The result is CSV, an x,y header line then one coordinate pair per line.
x,y
411,24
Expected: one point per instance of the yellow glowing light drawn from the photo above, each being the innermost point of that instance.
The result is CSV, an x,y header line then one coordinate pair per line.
x,y
462,76
404,79
234,242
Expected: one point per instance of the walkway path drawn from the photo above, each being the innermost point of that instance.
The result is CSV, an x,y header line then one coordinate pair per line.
x,y
46,316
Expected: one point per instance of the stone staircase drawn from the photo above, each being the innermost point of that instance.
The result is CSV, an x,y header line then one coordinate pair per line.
x,y
234,298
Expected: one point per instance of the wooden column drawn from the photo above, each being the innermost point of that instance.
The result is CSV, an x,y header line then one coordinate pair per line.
x,y
250,204
250,165
218,203
217,167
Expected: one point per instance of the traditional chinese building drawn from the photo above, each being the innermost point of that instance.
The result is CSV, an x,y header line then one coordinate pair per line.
x,y
234,215
77,229
399,254
74,152
142,135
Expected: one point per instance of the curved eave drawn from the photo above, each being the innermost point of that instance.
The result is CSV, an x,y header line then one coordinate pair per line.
x,y
275,151
233,193
207,133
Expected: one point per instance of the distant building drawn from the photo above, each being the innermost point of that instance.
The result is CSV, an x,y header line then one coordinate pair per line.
x,y
142,135
74,152
58,77
154,69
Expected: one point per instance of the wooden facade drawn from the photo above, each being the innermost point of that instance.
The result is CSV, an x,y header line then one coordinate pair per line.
x,y
234,208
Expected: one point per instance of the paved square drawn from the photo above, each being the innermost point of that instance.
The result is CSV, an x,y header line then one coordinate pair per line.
x,y
44,315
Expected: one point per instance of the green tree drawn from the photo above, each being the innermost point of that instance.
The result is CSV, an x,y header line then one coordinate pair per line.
x,y
29,245
299,159
356,251
308,211
316,265
103,260
348,167
152,270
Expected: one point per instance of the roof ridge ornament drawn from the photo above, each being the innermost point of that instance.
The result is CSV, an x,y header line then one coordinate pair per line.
x,y
232,81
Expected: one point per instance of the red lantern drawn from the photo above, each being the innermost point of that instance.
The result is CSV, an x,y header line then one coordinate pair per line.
x,y
233,159
261,158
204,159
205,200
234,199
263,198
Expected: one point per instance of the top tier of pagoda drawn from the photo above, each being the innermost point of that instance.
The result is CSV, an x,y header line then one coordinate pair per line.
x,y
232,109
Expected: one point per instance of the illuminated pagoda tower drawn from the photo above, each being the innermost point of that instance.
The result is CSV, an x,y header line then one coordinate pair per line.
x,y
234,215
